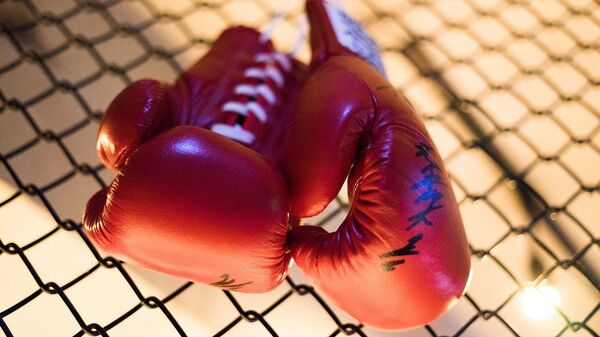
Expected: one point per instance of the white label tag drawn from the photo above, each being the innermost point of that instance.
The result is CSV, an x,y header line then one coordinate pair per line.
x,y
352,36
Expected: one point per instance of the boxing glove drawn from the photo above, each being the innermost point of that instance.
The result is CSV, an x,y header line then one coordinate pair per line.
x,y
400,258
197,194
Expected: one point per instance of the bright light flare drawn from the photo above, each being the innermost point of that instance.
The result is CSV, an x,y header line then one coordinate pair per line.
x,y
538,302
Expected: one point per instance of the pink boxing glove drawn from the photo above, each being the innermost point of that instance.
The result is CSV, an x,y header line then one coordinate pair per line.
x,y
197,194
400,258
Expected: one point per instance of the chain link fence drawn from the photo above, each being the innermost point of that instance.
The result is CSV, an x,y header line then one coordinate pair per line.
x,y
510,91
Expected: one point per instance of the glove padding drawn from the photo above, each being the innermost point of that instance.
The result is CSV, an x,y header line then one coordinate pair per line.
x,y
188,201
400,258
182,205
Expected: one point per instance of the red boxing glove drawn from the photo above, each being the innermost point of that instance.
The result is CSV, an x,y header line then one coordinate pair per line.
x,y
188,201
400,258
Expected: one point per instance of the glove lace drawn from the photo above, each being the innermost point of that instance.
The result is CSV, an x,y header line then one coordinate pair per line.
x,y
256,97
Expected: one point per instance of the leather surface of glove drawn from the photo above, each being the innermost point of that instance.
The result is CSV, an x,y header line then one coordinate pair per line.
x,y
197,194
400,258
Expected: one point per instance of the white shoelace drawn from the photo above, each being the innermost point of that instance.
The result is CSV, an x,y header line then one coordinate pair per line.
x,y
269,67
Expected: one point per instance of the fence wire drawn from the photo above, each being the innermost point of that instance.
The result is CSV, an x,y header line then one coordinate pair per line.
x,y
510,91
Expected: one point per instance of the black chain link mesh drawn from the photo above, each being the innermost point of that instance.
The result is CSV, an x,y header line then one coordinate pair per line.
x,y
510,91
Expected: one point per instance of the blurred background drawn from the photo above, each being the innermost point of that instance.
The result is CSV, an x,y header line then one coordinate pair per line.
x,y
509,90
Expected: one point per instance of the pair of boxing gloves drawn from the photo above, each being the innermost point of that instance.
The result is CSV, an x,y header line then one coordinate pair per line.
x,y
215,171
